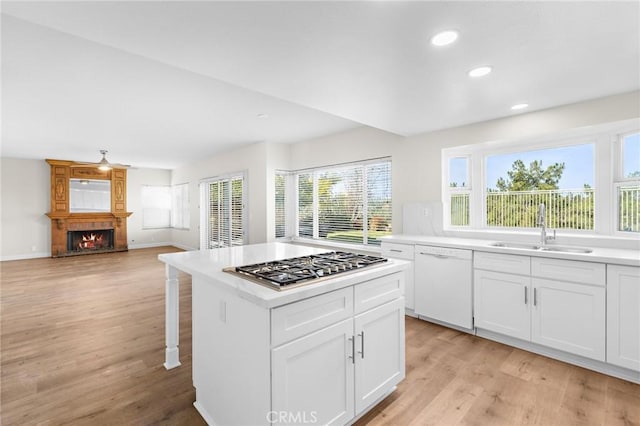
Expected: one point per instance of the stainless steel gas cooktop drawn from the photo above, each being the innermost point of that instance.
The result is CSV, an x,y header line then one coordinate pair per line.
x,y
289,273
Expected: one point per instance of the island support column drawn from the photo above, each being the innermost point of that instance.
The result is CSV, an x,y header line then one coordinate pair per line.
x,y
172,319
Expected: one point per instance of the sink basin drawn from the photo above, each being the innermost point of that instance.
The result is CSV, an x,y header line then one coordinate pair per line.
x,y
531,246
509,244
567,249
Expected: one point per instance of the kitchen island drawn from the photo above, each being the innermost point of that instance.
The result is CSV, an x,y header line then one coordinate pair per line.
x,y
325,352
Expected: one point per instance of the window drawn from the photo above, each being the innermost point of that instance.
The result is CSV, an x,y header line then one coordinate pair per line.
x,y
587,183
628,185
156,206
345,203
281,204
180,210
560,178
459,190
222,219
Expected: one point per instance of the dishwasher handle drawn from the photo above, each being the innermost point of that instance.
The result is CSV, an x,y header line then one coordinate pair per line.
x,y
439,256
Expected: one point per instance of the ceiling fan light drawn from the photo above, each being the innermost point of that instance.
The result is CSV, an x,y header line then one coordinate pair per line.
x,y
104,164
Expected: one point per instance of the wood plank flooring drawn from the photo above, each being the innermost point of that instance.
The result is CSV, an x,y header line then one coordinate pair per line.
x,y
82,343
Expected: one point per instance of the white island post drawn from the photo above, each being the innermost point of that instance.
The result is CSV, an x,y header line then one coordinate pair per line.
x,y
322,353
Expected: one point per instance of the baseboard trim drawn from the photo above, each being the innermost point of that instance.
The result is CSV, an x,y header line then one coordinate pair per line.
x,y
25,256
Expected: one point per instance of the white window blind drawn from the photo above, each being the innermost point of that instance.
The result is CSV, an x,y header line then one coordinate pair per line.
x,y
347,203
156,206
281,204
223,216
180,209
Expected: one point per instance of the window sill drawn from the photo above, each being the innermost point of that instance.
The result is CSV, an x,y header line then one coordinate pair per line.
x,y
330,244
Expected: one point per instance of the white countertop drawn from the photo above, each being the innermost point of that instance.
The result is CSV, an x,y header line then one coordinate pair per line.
x,y
208,264
599,254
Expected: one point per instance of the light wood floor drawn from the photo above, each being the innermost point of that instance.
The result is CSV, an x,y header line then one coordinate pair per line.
x,y
82,343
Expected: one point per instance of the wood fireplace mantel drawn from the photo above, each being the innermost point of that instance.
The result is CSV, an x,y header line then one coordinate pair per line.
x,y
63,221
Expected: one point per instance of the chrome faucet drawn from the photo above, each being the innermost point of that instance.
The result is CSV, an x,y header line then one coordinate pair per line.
x,y
542,223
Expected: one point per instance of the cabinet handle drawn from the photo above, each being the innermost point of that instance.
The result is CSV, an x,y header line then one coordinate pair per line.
x,y
353,349
361,351
535,297
395,250
526,295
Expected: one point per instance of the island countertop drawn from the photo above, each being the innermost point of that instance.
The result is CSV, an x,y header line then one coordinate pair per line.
x,y
209,264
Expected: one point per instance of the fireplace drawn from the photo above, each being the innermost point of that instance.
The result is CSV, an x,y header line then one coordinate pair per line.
x,y
86,241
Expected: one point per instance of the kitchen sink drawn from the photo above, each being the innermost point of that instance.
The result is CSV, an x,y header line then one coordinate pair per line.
x,y
567,249
532,246
508,244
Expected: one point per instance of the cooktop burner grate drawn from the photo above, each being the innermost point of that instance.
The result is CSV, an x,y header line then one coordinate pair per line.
x,y
285,273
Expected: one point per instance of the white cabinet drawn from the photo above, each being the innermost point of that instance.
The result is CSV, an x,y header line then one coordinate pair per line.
x,y
330,373
569,317
552,302
501,303
312,377
405,252
443,281
379,352
623,316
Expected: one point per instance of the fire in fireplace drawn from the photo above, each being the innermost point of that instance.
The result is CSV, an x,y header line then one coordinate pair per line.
x,y
94,240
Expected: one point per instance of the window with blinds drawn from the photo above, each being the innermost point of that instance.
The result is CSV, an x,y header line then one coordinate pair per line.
x,y
156,206
281,204
223,216
346,203
180,209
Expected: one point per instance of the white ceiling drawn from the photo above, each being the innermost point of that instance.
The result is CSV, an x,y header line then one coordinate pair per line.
x,y
161,84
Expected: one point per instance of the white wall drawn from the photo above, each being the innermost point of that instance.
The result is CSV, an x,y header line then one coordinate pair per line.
x,y
138,237
25,231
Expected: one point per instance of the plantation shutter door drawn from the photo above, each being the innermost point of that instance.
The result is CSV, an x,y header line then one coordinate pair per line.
x,y
224,220
236,212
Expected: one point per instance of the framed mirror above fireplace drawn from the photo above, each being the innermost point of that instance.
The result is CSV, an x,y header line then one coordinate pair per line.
x,y
89,195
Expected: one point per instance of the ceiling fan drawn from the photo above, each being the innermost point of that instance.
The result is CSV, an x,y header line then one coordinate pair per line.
x,y
104,164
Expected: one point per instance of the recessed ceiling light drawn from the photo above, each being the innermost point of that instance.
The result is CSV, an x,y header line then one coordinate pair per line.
x,y
519,106
444,38
263,115
480,71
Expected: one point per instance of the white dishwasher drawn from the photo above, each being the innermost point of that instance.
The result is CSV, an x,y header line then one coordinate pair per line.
x,y
443,285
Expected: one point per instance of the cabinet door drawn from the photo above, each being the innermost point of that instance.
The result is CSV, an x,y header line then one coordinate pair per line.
x,y
501,303
313,377
569,317
379,346
623,316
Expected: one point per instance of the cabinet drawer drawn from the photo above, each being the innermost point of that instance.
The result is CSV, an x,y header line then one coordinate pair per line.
x,y
297,319
378,291
398,251
509,263
569,270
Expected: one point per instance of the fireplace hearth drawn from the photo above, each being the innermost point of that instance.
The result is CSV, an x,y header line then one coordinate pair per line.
x,y
86,241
